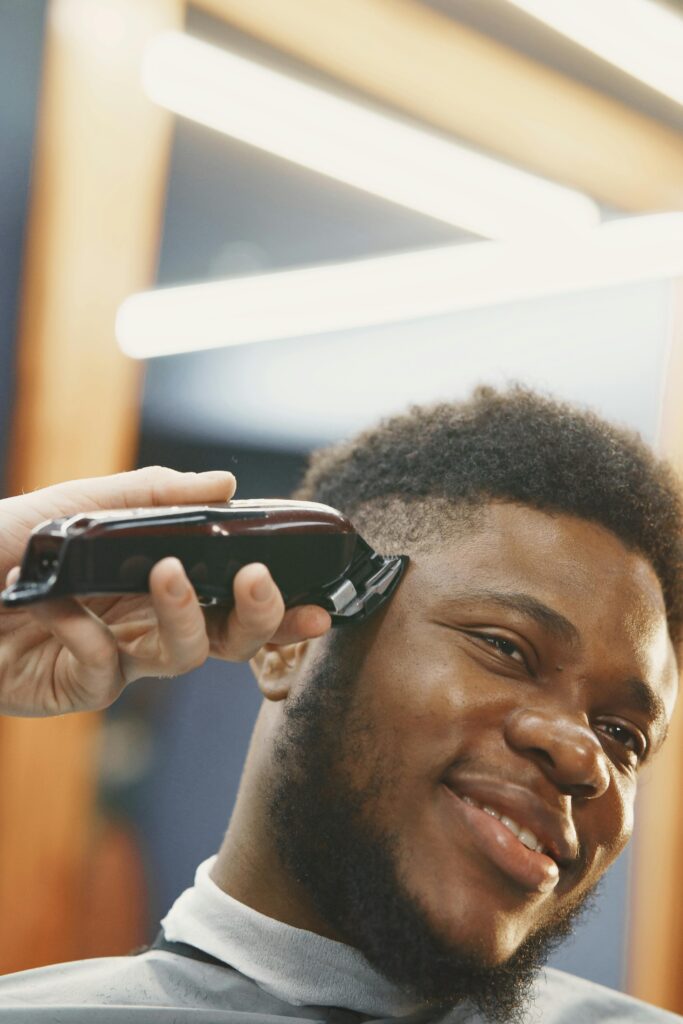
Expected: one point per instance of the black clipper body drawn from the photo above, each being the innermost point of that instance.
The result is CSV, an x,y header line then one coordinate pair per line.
x,y
312,551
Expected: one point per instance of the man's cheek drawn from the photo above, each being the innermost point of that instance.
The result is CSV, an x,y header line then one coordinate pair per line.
x,y
615,829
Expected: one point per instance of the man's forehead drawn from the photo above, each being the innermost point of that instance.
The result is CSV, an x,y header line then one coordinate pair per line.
x,y
501,538
563,562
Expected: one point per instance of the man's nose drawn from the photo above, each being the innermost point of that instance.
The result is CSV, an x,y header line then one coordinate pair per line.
x,y
564,747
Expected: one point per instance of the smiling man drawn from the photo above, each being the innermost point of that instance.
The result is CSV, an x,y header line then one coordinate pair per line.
x,y
430,799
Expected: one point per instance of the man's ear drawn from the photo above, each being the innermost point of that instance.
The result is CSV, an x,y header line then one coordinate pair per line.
x,y
275,667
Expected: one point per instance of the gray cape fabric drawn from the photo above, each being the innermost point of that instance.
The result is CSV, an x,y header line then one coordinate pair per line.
x,y
276,973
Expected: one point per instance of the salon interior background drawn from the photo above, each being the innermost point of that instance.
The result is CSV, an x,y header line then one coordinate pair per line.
x,y
106,192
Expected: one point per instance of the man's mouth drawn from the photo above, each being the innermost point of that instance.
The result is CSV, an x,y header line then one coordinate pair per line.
x,y
514,848
525,835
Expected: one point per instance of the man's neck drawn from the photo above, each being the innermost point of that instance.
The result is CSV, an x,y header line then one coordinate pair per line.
x,y
249,869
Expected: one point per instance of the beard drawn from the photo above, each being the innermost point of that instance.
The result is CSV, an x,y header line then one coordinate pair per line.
x,y
325,837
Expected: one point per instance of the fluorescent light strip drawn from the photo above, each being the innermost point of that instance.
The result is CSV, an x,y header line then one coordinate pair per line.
x,y
344,140
388,289
640,37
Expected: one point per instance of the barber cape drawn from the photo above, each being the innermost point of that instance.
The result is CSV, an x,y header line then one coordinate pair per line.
x,y
223,963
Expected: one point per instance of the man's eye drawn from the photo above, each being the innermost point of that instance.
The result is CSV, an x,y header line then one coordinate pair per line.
x,y
632,741
505,647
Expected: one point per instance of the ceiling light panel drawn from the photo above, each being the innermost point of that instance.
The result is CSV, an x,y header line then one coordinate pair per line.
x,y
389,289
641,37
344,140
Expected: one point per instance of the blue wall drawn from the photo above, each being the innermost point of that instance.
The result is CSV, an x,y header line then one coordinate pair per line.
x,y
21,40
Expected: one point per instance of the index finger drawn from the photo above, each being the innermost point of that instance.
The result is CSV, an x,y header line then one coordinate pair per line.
x,y
150,486
153,485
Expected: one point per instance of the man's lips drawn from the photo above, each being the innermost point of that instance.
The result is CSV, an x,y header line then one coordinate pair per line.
x,y
534,870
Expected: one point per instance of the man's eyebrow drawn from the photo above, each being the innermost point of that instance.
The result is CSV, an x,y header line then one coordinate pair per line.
x,y
531,607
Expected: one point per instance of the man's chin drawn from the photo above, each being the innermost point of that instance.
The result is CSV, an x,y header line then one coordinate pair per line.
x,y
440,971
487,932
488,968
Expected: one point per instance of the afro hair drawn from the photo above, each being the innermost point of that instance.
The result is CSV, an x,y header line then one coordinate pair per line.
x,y
451,459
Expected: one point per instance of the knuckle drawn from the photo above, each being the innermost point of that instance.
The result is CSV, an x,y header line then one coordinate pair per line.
x,y
158,478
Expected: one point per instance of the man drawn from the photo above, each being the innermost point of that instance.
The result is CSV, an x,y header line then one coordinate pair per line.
x,y
431,798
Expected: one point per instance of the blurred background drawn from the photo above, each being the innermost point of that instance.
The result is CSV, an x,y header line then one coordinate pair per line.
x,y
234,230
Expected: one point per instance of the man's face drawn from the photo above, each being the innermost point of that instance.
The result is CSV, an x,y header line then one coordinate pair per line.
x,y
519,668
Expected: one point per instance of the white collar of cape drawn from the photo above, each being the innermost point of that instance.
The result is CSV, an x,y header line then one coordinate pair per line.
x,y
296,966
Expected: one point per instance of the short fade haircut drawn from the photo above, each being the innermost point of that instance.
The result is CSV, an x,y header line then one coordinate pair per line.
x,y
415,475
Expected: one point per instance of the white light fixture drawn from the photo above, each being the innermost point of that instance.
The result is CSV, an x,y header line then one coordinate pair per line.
x,y
351,143
641,37
393,288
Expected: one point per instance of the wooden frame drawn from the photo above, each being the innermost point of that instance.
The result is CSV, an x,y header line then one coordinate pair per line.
x,y
96,205
423,64
656,920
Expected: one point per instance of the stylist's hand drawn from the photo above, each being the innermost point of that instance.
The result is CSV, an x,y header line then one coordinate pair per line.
x,y
67,655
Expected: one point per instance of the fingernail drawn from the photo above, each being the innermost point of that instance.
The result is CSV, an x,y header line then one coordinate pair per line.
x,y
177,585
260,590
222,473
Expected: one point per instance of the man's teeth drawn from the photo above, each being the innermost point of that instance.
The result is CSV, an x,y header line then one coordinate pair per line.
x,y
525,835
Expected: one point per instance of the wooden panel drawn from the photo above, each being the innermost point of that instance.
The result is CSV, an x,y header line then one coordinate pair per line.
x,y
101,166
419,61
656,926
94,224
